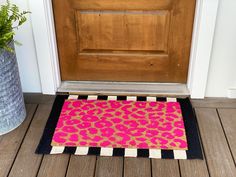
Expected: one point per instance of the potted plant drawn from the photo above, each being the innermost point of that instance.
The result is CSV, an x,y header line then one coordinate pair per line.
x,y
12,107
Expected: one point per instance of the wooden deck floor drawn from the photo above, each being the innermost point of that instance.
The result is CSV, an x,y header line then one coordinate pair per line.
x,y
217,122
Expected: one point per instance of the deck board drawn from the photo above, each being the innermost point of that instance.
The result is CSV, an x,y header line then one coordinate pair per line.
x,y
54,165
10,143
217,130
167,168
193,168
109,166
219,159
214,103
81,166
27,162
228,119
137,167
37,98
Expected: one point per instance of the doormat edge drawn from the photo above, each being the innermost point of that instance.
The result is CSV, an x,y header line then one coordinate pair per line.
x,y
194,151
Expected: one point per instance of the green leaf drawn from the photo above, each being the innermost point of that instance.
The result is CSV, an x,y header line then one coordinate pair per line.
x,y
10,14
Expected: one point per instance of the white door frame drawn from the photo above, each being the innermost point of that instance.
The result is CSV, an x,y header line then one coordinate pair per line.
x,y
48,63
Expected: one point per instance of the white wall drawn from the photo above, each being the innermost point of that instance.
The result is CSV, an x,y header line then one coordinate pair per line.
x,y
26,55
222,74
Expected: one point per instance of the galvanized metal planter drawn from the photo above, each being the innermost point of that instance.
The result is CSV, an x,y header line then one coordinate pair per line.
x,y
12,107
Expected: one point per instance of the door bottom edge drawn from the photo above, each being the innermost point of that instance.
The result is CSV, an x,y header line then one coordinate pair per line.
x,y
124,88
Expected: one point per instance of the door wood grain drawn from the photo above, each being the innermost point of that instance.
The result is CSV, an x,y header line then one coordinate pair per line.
x,y
125,40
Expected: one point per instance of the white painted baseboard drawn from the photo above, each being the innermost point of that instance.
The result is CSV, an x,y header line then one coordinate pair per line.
x,y
232,93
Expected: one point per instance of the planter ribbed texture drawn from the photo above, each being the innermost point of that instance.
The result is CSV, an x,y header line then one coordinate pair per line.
x,y
12,107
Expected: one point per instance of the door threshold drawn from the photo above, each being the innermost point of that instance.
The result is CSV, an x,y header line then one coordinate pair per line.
x,y
124,88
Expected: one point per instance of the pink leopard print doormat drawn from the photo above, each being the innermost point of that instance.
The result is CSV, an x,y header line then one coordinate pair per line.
x,y
120,124
129,126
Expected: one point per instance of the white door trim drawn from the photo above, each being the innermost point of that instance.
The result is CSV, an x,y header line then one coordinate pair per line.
x,y
202,41
46,48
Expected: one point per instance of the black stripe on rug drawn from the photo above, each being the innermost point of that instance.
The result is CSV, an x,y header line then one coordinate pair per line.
x,y
167,154
121,97
118,152
69,150
143,153
102,97
83,97
94,151
161,99
194,148
141,98
44,146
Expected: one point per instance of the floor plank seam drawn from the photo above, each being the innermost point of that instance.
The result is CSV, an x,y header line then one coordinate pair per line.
x,y
68,164
123,167
225,107
95,167
204,156
40,163
180,174
226,138
151,167
32,117
203,149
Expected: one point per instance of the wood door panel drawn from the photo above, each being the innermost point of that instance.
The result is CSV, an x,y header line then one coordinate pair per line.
x,y
101,66
123,31
121,4
124,40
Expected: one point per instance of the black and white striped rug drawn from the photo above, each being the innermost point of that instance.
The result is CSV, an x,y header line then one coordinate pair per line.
x,y
194,148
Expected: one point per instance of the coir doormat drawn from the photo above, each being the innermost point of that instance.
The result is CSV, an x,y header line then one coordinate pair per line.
x,y
127,126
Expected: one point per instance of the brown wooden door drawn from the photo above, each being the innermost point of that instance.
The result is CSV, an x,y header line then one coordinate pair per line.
x,y
124,40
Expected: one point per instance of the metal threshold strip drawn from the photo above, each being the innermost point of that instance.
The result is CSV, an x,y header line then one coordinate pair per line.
x,y
124,88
